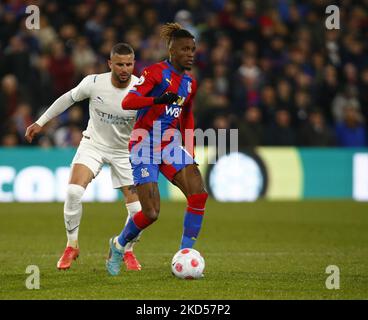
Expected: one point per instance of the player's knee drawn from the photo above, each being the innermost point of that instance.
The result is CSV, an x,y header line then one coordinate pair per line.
x,y
73,198
151,213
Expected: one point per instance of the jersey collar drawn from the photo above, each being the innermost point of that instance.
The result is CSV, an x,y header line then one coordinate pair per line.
x,y
172,68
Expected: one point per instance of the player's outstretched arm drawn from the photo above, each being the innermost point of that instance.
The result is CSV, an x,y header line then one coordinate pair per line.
x,y
81,92
59,106
32,131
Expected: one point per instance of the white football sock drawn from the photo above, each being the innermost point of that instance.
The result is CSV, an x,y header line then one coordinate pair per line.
x,y
73,213
117,244
133,208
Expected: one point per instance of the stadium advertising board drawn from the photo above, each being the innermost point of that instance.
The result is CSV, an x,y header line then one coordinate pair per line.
x,y
41,175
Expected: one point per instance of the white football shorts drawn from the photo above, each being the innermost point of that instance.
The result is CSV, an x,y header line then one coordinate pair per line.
x,y
95,156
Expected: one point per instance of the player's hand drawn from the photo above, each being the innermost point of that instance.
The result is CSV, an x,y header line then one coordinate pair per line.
x,y
166,98
31,131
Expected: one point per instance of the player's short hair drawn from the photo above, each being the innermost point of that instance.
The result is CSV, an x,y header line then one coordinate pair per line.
x,y
121,48
172,31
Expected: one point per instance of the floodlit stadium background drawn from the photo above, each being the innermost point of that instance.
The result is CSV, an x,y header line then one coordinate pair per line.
x,y
296,91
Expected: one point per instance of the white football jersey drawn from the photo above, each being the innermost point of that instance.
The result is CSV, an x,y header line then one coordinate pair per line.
x,y
109,125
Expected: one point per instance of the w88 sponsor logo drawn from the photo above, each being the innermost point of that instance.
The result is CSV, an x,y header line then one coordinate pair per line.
x,y
173,111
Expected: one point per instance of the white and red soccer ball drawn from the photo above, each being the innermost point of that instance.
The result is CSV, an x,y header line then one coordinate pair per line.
x,y
188,264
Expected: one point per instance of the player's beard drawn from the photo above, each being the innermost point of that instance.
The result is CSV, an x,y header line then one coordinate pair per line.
x,y
117,78
185,68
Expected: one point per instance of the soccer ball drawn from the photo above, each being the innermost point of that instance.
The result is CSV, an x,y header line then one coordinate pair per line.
x,y
187,263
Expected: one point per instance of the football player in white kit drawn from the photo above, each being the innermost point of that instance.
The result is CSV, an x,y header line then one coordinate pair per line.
x,y
105,140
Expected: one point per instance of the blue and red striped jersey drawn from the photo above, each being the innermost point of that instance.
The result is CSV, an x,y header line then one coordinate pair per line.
x,y
155,80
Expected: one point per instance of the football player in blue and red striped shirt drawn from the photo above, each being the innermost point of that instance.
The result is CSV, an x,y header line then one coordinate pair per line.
x,y
163,97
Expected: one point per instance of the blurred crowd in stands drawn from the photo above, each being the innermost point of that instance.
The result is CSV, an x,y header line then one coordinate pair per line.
x,y
269,68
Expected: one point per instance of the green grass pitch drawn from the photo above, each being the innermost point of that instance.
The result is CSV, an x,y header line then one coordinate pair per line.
x,y
262,250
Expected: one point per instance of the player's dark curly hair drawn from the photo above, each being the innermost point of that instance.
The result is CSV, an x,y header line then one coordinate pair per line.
x,y
171,31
